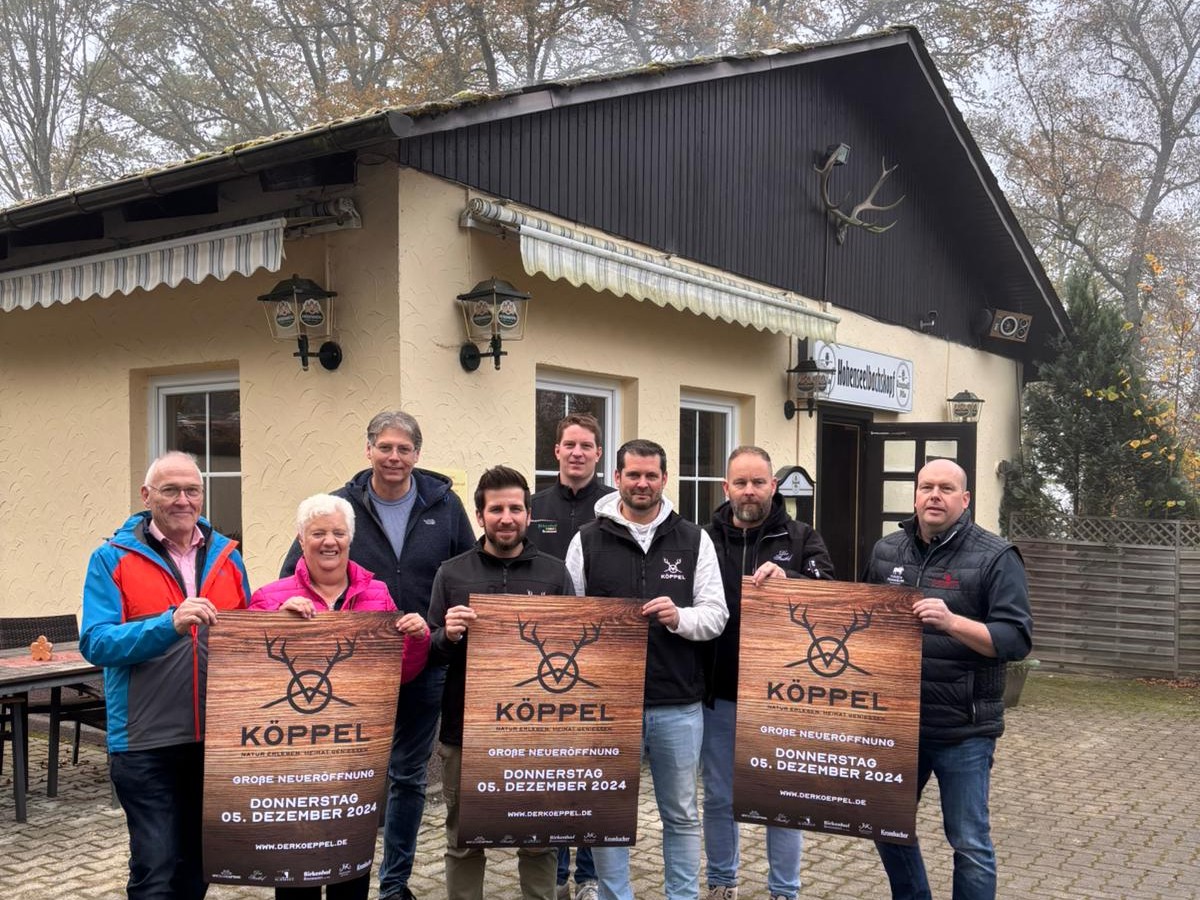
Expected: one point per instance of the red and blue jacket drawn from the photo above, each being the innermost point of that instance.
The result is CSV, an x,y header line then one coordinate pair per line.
x,y
154,678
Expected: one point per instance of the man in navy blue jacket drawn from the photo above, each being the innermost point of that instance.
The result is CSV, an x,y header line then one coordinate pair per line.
x,y
408,522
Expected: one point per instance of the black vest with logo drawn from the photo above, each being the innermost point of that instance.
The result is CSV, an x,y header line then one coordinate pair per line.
x,y
961,691
615,566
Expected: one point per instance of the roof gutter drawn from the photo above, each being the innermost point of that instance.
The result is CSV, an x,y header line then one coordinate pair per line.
x,y
245,160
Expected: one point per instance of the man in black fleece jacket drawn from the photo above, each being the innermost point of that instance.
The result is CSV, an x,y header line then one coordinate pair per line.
x,y
407,522
753,536
501,562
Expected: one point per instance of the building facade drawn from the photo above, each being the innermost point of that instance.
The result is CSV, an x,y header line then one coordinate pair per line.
x,y
672,233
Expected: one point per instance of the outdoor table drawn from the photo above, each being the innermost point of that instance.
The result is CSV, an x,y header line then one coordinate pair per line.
x,y
20,674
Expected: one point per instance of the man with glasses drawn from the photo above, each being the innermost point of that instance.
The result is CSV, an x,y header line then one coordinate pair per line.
x,y
408,521
151,591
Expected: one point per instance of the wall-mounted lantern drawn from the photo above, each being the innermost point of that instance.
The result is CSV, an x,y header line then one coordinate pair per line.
x,y
494,311
964,406
299,309
810,380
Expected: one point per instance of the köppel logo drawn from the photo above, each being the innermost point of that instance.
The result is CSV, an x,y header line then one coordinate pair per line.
x,y
558,672
310,690
674,569
828,656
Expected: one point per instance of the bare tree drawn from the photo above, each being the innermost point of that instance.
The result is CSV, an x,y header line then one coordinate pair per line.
x,y
1100,138
51,133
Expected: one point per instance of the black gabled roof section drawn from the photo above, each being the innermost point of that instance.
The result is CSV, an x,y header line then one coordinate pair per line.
x,y
714,162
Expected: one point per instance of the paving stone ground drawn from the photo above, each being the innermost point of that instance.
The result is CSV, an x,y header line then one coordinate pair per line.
x,y
1095,796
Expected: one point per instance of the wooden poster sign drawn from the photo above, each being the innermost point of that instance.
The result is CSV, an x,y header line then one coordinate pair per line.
x,y
828,712
552,725
297,736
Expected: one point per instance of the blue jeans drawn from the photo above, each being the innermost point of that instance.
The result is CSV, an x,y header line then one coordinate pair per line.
x,y
964,774
585,869
720,829
417,714
161,791
671,737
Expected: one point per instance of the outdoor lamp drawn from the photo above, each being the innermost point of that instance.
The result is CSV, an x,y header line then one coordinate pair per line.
x,y
493,311
298,309
811,380
964,406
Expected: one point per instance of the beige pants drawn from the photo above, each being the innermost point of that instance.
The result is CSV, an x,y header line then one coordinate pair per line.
x,y
537,868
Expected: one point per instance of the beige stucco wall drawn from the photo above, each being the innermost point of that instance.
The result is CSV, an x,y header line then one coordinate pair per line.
x,y
73,412
73,419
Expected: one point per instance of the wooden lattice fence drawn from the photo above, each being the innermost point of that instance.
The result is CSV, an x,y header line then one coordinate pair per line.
x,y
1111,595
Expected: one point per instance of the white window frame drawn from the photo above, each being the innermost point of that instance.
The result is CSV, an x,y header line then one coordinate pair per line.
x,y
163,386
705,403
592,387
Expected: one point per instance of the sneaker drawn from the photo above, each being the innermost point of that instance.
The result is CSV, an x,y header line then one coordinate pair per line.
x,y
781,897
563,891
403,894
721,892
587,890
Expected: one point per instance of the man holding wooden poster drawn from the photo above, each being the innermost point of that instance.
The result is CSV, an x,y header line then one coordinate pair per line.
x,y
639,547
754,536
976,616
501,562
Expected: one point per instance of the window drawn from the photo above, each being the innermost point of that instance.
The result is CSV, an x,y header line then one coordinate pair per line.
x,y
555,399
706,429
202,416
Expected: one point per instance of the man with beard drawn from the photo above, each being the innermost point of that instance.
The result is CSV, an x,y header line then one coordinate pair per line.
x,y
638,546
501,562
753,536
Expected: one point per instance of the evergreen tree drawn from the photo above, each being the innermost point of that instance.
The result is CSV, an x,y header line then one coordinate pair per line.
x,y
1093,439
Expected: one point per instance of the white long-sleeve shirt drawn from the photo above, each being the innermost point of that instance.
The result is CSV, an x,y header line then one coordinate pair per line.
x,y
706,617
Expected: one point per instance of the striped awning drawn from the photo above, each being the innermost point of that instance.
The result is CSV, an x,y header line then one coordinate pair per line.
x,y
213,254
560,251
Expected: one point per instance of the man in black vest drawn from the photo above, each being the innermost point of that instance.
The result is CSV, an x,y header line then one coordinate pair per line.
x,y
639,547
976,617
753,536
558,512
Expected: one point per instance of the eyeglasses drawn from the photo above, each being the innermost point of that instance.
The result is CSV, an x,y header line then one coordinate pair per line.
x,y
172,491
402,450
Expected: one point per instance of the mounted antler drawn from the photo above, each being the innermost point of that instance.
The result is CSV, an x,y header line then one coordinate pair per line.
x,y
867,205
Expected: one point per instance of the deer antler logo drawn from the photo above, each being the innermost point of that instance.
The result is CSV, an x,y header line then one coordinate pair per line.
x,y
558,672
310,690
828,655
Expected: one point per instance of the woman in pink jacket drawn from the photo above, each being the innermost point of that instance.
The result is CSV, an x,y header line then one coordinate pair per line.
x,y
325,579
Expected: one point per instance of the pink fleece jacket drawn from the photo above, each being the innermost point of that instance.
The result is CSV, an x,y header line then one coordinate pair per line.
x,y
365,594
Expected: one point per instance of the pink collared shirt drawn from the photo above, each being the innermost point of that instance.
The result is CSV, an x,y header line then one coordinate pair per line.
x,y
183,557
